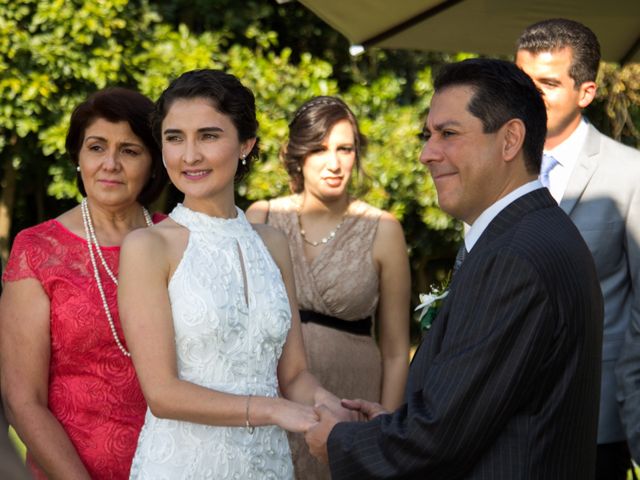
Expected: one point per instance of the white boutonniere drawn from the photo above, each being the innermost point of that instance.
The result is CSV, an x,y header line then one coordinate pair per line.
x,y
430,303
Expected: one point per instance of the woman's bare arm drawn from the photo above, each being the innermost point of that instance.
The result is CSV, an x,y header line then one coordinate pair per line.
x,y
390,253
145,312
24,372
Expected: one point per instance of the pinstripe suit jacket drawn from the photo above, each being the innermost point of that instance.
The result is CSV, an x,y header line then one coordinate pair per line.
x,y
506,383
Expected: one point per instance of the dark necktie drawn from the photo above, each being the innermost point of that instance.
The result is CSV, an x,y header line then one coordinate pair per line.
x,y
460,256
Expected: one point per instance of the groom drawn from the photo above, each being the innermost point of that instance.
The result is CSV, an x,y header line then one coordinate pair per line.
x,y
505,384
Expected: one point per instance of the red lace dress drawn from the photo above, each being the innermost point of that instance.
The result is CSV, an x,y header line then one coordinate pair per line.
x,y
93,389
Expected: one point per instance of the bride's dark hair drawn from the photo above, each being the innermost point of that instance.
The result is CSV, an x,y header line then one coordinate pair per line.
x,y
226,94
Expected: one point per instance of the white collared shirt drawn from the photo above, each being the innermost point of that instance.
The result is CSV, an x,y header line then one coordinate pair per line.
x,y
483,221
567,156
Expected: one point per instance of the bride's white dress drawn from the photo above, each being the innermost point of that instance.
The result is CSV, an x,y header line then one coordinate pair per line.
x,y
228,338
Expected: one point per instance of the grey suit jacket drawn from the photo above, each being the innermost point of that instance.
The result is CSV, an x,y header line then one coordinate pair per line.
x,y
505,384
603,200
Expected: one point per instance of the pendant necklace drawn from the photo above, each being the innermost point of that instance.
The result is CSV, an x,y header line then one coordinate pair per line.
x,y
325,240
92,243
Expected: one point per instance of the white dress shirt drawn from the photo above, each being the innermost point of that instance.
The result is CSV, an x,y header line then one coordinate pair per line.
x,y
567,156
483,221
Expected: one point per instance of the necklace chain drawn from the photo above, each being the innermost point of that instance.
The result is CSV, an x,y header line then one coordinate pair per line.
x,y
92,243
324,240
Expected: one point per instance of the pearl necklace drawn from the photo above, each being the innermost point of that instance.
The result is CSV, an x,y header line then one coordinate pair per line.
x,y
92,243
324,240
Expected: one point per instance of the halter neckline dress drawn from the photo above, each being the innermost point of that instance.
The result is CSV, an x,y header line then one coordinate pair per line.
x,y
227,339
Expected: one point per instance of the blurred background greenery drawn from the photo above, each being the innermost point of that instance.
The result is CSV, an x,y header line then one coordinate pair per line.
x,y
54,53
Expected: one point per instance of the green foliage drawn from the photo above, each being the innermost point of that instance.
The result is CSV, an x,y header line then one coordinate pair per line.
x,y
280,87
399,182
60,51
617,106
53,54
167,53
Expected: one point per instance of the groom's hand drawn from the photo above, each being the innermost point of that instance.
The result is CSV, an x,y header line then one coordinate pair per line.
x,y
367,410
316,436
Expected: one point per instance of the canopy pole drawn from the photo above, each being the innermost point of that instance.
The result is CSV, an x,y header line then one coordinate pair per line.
x,y
410,23
631,52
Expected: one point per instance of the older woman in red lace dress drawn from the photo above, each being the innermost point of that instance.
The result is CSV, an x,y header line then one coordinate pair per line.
x,y
68,384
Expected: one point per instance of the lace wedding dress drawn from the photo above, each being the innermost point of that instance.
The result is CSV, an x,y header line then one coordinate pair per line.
x,y
231,317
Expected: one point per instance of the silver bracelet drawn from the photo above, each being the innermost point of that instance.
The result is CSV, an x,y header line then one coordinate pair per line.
x,y
247,423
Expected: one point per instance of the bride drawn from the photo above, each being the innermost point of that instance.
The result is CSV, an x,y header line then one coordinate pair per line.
x,y
207,303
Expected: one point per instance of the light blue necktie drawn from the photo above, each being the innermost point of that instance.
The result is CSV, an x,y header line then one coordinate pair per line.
x,y
548,164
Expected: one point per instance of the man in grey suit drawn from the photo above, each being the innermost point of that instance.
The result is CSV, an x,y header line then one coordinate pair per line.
x,y
505,384
596,181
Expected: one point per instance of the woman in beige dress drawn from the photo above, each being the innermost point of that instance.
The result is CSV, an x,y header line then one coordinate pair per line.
x,y
350,266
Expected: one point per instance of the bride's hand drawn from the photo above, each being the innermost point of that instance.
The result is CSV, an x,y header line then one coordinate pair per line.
x,y
294,417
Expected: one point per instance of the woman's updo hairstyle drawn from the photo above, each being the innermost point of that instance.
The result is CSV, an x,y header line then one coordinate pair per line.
x,y
311,124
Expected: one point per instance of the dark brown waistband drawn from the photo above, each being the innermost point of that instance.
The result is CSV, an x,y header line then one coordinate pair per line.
x,y
356,327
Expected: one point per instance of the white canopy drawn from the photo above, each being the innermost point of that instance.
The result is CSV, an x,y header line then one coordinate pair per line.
x,y
488,27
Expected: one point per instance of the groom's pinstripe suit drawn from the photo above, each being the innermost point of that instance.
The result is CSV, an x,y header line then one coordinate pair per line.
x,y
506,383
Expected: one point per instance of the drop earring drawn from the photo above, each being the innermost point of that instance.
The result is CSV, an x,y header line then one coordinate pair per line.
x,y
78,168
244,160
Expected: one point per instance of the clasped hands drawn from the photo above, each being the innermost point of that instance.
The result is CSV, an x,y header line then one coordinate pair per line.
x,y
330,414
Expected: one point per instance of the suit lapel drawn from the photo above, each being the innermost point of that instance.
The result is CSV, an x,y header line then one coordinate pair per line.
x,y
509,217
582,172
